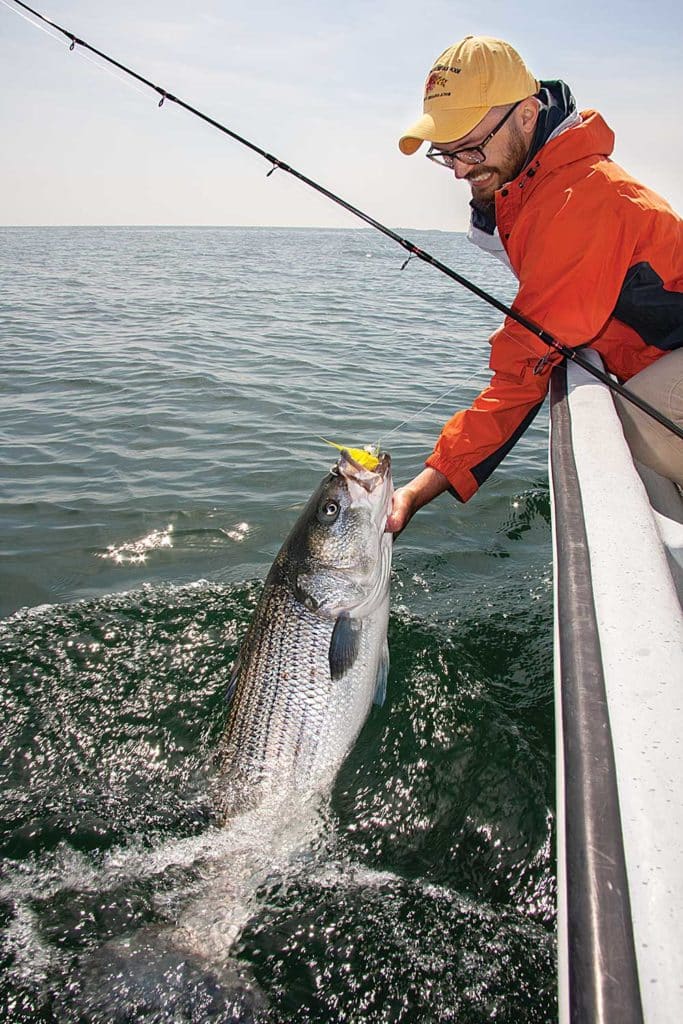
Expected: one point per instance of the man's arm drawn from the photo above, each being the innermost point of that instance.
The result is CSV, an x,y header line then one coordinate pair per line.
x,y
572,266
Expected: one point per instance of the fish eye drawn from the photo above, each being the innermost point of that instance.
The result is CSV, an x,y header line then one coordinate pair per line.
x,y
328,511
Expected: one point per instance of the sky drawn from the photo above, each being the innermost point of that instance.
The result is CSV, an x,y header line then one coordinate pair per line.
x,y
326,87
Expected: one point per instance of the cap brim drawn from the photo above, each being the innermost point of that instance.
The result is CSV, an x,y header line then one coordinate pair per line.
x,y
418,133
408,144
451,126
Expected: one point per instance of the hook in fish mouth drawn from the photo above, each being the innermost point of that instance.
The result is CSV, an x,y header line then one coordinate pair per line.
x,y
369,479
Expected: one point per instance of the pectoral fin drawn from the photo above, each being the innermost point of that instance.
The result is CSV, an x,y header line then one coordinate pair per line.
x,y
382,674
344,645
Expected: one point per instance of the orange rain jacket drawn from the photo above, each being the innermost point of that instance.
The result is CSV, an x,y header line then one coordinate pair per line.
x,y
599,259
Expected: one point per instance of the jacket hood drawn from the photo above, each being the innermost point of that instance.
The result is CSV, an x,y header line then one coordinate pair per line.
x,y
590,136
556,112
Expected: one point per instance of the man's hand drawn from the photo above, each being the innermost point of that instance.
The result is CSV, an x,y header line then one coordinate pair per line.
x,y
408,499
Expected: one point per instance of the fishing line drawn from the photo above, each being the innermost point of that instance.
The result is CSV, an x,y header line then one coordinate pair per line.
x,y
123,79
555,346
424,408
32,22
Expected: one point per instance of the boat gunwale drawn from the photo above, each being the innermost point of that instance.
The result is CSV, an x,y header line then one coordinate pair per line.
x,y
595,921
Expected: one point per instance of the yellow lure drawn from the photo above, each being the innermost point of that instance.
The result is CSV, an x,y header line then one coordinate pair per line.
x,y
366,457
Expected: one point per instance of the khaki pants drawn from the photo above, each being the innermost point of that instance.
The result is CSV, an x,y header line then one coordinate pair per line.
x,y
661,384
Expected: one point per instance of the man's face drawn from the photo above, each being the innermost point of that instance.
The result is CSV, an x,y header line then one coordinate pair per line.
x,y
505,155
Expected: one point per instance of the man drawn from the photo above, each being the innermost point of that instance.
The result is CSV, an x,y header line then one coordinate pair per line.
x,y
599,258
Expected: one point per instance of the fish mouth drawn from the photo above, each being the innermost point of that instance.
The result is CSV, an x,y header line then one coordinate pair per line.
x,y
368,479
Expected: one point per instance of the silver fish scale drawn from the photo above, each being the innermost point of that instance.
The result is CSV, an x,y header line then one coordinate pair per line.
x,y
290,723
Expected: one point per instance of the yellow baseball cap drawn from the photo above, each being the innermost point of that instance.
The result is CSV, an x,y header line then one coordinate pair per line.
x,y
465,81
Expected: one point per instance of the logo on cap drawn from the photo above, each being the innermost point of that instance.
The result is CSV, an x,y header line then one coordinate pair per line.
x,y
435,81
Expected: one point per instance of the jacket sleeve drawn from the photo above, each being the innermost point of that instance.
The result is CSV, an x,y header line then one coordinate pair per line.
x,y
573,248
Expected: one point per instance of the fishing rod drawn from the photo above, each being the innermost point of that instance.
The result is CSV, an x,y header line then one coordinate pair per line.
x,y
566,351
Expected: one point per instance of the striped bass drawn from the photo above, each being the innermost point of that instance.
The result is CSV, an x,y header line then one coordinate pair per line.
x,y
315,655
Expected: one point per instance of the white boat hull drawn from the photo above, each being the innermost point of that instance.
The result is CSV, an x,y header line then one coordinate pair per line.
x,y
619,718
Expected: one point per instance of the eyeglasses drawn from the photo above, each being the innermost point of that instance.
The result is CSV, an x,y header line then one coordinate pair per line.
x,y
471,155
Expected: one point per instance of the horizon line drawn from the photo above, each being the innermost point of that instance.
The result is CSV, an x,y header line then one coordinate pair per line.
x,y
234,227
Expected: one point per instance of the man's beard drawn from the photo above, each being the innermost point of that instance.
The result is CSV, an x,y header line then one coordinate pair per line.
x,y
509,167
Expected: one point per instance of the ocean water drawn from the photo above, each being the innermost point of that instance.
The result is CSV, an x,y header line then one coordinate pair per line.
x,y
162,398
